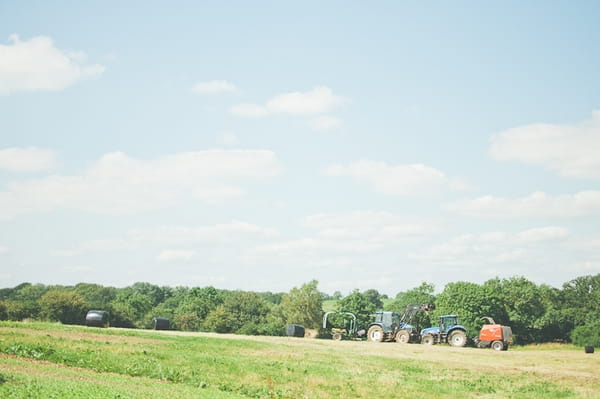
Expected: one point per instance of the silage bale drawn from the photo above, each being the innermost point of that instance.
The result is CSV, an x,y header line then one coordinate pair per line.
x,y
589,349
160,323
294,330
97,318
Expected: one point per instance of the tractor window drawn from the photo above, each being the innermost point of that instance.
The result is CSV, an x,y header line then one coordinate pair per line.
x,y
387,319
447,322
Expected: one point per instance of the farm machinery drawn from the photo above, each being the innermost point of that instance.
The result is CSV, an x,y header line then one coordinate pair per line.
x,y
390,326
346,323
448,331
493,335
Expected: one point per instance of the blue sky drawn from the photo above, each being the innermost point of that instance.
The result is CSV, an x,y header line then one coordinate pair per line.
x,y
260,145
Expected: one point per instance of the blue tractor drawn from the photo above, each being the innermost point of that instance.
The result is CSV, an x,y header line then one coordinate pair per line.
x,y
448,331
390,326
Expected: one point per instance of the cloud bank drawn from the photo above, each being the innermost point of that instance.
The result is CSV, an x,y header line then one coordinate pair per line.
x,y
570,150
118,183
319,100
35,64
535,205
413,179
30,159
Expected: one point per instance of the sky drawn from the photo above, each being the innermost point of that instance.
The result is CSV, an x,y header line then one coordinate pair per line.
x,y
261,145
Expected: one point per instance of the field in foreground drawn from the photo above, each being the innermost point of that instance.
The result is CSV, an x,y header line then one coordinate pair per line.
x,y
39,360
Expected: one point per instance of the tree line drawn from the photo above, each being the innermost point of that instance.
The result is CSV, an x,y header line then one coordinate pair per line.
x,y
536,313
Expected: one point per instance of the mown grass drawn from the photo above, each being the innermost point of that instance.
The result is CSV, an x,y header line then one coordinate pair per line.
x,y
51,360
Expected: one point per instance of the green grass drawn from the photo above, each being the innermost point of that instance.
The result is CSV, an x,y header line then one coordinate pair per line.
x,y
52,360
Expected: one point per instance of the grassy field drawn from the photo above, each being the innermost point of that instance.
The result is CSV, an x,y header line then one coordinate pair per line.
x,y
40,360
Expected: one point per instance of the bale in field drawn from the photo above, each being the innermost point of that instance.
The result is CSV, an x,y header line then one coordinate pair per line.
x,y
97,318
294,330
160,323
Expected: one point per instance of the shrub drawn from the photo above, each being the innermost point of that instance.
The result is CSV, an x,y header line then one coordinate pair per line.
x,y
588,334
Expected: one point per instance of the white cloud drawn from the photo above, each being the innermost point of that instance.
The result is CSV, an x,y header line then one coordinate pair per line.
x,y
316,101
483,250
3,250
222,232
543,234
570,150
228,138
235,231
536,205
325,122
214,87
30,159
105,245
414,179
35,64
350,232
118,184
174,255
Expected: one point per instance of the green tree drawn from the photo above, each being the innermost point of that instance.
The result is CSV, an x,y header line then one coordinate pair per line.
x,y
470,302
375,298
303,305
96,296
153,292
358,303
242,313
18,310
580,309
423,294
532,311
195,306
588,333
130,309
24,301
68,307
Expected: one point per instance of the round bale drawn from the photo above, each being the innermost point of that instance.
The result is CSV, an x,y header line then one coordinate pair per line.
x,y
97,318
589,349
295,330
160,323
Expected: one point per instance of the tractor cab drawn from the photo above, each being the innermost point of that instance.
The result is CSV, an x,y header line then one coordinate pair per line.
x,y
447,322
447,331
388,320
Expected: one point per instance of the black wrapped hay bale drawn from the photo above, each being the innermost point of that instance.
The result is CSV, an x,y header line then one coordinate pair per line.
x,y
294,330
589,349
160,323
97,318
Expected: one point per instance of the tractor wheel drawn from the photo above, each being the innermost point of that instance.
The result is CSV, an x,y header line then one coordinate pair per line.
x,y
375,334
336,336
498,345
457,338
403,337
428,339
